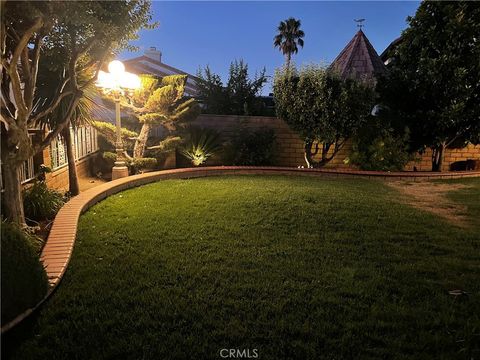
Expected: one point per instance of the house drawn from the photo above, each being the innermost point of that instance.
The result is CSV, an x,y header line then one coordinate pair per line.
x,y
151,63
54,156
359,60
388,55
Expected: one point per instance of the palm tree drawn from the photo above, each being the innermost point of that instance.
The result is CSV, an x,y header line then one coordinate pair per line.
x,y
288,39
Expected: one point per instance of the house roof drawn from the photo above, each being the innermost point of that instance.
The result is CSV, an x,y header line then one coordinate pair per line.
x,y
358,59
141,60
146,65
387,53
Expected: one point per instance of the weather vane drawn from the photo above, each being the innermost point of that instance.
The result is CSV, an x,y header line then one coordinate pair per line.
x,y
359,22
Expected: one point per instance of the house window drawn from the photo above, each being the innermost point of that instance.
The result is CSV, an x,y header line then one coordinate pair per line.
x,y
26,172
58,152
84,142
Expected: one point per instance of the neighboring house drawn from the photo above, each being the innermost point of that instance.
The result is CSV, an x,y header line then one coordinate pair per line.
x,y
388,55
359,60
151,63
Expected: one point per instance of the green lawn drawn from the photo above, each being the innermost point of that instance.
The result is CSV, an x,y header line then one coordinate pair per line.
x,y
297,268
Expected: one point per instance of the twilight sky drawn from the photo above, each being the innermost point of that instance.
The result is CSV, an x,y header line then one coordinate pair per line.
x,y
194,34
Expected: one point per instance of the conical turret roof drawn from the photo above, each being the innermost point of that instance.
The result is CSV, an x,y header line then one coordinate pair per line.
x,y
358,59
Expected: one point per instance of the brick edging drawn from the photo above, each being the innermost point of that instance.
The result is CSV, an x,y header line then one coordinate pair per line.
x,y
58,248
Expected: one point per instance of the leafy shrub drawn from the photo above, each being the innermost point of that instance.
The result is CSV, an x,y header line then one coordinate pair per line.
x,y
138,164
321,106
108,136
24,281
377,146
252,148
165,145
40,202
201,144
135,165
109,156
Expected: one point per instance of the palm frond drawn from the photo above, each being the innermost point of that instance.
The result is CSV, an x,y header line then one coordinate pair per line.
x,y
289,36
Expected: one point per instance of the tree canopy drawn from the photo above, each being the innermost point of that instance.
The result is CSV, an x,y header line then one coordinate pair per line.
x,y
289,38
433,82
161,101
238,97
76,38
322,108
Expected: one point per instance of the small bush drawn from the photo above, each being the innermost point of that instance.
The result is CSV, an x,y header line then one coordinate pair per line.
x,y
139,164
108,136
135,165
109,156
40,202
201,144
378,147
251,148
24,281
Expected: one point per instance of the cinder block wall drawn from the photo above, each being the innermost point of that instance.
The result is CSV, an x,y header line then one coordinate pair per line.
x,y
289,150
423,162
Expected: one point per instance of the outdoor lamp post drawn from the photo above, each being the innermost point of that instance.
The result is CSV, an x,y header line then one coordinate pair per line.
x,y
118,82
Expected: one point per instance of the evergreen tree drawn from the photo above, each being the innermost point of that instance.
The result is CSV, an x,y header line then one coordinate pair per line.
x,y
161,102
433,83
238,97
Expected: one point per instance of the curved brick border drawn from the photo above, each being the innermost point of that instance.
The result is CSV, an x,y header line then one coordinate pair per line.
x,y
58,248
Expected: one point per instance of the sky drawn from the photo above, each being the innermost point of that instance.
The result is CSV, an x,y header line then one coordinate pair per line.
x,y
192,35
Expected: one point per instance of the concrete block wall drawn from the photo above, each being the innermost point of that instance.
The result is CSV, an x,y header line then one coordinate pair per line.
x,y
289,147
289,150
423,162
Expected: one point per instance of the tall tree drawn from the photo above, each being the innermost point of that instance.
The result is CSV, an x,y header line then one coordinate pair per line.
x,y
322,108
289,38
84,35
238,97
433,84
161,102
243,91
211,92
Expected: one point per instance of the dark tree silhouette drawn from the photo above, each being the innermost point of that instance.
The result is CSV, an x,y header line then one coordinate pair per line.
x,y
289,38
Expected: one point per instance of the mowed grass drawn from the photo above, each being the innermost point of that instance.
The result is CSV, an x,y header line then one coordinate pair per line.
x,y
297,268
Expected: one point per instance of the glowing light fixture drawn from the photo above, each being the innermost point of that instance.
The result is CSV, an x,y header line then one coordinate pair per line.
x,y
118,82
116,68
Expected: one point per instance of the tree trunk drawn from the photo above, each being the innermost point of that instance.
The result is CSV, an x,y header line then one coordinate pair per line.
x,y
73,186
16,148
141,141
437,157
287,61
308,153
325,149
12,194
325,159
